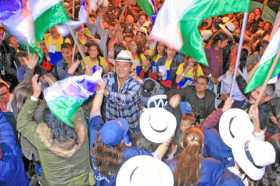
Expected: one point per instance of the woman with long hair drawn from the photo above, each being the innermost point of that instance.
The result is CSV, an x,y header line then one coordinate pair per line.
x,y
94,58
191,168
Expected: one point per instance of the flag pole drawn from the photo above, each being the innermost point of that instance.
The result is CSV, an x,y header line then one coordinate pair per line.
x,y
76,42
272,68
73,9
243,29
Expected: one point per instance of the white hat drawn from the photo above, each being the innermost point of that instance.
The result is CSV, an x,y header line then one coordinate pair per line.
x,y
235,124
253,155
144,171
124,56
157,124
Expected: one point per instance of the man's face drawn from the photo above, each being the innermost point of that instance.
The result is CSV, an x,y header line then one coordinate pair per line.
x,y
223,44
123,69
13,42
66,52
4,97
201,85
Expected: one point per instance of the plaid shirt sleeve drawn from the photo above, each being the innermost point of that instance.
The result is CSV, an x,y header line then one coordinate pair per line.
x,y
126,100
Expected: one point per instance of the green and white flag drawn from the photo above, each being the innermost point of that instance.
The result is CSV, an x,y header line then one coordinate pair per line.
x,y
265,64
46,14
177,23
147,6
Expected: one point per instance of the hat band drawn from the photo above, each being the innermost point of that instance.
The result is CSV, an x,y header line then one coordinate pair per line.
x,y
159,131
249,156
132,173
123,59
229,126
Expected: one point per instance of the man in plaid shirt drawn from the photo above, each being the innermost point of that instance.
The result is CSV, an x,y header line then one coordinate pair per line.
x,y
122,92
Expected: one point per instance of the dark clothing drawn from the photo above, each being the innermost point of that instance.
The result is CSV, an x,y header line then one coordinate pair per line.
x,y
201,107
215,61
177,60
8,63
60,70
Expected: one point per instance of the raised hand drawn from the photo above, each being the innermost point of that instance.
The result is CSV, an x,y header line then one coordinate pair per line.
x,y
36,86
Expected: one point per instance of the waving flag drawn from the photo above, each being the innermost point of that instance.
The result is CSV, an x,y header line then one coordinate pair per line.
x,y
147,6
46,14
83,17
177,23
65,97
265,64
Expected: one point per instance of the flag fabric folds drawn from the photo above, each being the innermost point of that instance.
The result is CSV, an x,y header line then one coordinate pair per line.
x,y
147,6
65,97
47,14
29,20
265,64
177,23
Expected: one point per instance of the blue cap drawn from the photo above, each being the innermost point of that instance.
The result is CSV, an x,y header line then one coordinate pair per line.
x,y
113,132
185,107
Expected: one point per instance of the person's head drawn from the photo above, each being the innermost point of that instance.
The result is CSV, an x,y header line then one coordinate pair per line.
x,y
258,11
188,161
21,92
61,133
174,99
160,48
93,50
123,64
220,40
201,84
66,50
142,19
22,57
267,27
170,52
54,33
187,120
132,46
2,29
129,19
251,17
4,95
267,96
12,41
109,144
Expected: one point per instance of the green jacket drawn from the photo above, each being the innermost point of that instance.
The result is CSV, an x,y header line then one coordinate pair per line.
x,y
61,166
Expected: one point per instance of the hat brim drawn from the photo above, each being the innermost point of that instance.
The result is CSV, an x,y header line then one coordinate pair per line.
x,y
159,173
227,121
242,160
161,115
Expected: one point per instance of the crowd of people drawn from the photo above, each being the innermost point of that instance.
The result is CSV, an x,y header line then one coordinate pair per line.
x,y
157,117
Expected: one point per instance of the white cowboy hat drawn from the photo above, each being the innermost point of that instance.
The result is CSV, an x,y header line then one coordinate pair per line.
x,y
253,155
143,171
124,56
235,124
157,124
